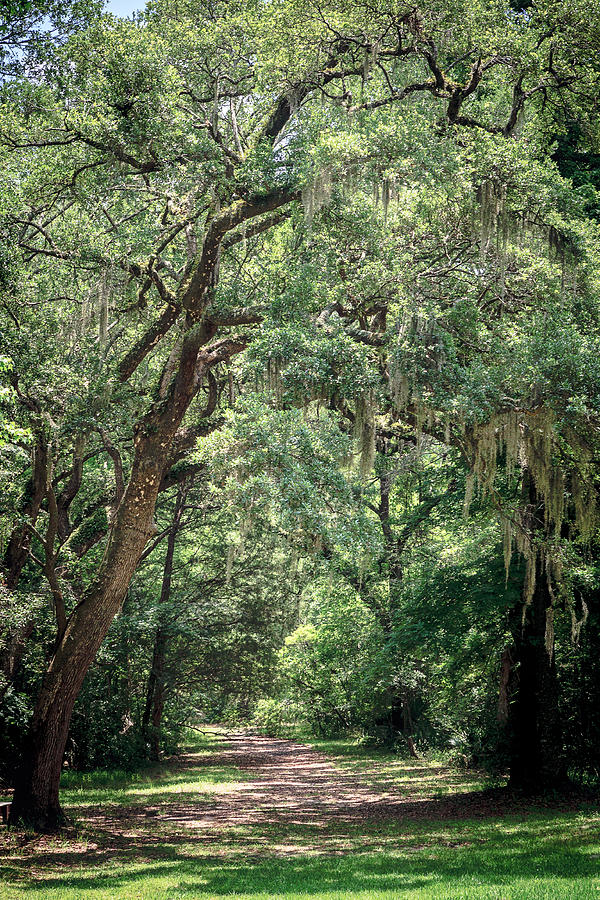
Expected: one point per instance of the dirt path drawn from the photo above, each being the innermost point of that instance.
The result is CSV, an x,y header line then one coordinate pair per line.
x,y
284,784
292,800
291,784
292,787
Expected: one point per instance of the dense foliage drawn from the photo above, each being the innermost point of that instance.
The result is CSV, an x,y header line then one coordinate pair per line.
x,y
300,363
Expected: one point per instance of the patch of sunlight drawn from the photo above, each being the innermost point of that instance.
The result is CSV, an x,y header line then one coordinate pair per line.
x,y
94,787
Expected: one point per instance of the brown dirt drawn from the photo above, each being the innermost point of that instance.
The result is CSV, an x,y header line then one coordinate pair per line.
x,y
296,800
291,786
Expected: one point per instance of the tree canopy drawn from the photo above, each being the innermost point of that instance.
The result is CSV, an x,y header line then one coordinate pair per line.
x,y
300,362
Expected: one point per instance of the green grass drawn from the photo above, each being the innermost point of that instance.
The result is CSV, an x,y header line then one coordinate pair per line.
x,y
156,784
433,777
151,786
481,854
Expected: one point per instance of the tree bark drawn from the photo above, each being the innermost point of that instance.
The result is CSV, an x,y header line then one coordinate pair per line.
x,y
538,760
155,695
36,798
506,673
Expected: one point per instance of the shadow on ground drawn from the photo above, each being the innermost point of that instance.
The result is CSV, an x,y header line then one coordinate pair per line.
x,y
292,821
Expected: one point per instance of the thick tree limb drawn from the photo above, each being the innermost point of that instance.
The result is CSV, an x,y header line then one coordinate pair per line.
x,y
254,229
245,315
114,454
194,291
151,337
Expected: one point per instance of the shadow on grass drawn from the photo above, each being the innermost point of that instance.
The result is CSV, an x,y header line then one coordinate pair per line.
x,y
285,821
484,854
151,790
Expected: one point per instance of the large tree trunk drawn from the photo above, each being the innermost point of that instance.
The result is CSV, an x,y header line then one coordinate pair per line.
x,y
36,798
537,753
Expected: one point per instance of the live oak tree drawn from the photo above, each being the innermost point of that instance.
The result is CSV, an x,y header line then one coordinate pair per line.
x,y
503,369
495,355
153,167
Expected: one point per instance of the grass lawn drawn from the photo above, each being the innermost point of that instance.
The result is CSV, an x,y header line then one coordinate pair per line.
x,y
187,829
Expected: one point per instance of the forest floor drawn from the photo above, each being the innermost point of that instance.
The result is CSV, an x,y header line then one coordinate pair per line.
x,y
255,817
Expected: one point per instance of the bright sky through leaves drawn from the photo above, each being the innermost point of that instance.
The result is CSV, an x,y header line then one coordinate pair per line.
x,y
124,7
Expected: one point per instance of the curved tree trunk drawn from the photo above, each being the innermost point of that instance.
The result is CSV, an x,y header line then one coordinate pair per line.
x,y
36,798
